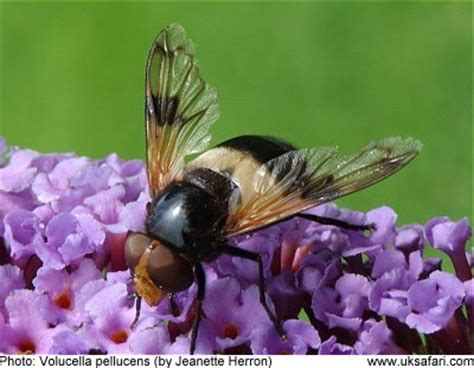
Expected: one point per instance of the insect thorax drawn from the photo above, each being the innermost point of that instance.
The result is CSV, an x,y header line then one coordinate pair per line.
x,y
189,216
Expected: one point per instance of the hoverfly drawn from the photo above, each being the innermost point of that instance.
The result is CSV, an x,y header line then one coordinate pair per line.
x,y
239,186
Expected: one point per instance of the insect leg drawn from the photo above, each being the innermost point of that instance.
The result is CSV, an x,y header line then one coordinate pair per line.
x,y
335,222
201,283
246,254
138,307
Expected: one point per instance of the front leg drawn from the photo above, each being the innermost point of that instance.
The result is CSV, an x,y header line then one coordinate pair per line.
x,y
252,256
138,307
201,283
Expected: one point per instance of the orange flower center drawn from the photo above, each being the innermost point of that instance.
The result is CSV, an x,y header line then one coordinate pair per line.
x,y
63,300
230,331
26,347
119,337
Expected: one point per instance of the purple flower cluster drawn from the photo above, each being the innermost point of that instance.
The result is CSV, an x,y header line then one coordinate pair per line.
x,y
64,287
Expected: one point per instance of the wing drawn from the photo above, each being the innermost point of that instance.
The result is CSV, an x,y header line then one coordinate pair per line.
x,y
180,107
298,180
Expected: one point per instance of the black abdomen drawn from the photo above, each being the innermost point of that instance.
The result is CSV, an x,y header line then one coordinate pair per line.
x,y
238,160
262,149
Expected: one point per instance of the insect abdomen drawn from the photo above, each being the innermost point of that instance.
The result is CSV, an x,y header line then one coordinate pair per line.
x,y
261,149
239,159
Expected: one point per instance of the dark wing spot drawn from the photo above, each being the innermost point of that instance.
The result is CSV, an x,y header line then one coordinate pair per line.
x,y
166,109
282,166
324,181
317,185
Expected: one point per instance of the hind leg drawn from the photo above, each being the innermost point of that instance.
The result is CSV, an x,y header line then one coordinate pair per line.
x,y
332,221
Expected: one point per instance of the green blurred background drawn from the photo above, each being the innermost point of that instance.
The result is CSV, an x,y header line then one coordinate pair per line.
x,y
314,73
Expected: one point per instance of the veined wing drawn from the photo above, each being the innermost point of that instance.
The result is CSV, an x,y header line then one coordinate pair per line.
x,y
180,107
301,179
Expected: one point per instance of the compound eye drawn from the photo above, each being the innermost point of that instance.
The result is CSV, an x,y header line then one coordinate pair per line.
x,y
135,246
169,271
